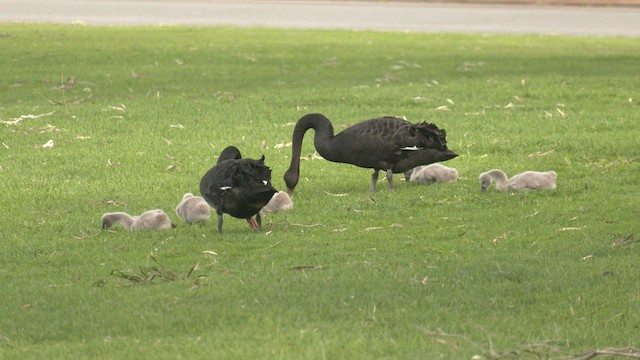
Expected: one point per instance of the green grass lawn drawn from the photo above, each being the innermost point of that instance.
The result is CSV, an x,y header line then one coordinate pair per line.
x,y
138,114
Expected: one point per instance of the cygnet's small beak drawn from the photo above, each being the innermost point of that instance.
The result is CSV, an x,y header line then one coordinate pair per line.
x,y
483,188
173,225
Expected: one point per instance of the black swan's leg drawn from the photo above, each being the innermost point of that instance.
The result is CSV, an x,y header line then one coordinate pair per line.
x,y
251,222
219,211
390,179
220,223
374,180
259,221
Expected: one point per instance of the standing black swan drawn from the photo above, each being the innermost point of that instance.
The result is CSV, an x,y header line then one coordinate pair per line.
x,y
238,187
387,143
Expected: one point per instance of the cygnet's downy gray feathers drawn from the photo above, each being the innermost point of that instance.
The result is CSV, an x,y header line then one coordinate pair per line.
x,y
433,173
152,219
280,201
526,181
193,209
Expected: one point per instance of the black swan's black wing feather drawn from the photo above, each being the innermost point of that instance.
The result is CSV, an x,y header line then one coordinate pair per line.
x,y
217,180
382,142
431,136
393,132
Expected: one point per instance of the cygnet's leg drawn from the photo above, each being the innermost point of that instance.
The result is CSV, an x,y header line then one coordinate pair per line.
x,y
390,179
374,180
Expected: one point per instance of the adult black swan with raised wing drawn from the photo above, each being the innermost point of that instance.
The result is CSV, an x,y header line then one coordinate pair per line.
x,y
388,143
238,187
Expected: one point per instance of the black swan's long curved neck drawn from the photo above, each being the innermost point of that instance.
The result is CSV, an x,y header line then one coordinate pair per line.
x,y
322,141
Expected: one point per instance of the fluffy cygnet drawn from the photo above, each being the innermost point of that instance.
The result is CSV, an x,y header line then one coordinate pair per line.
x,y
528,180
152,219
433,173
279,201
193,209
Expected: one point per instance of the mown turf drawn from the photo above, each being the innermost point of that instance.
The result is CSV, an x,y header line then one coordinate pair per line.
x,y
138,114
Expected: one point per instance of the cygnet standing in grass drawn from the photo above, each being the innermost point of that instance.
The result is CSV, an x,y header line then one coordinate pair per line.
x,y
152,219
433,173
528,180
193,209
279,201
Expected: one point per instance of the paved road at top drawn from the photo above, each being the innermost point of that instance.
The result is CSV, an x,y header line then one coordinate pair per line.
x,y
604,21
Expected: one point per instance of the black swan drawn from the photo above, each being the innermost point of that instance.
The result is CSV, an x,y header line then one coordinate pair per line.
x,y
193,209
433,173
238,187
387,143
152,219
528,180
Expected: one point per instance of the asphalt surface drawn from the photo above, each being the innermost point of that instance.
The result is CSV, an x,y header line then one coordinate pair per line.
x,y
384,16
